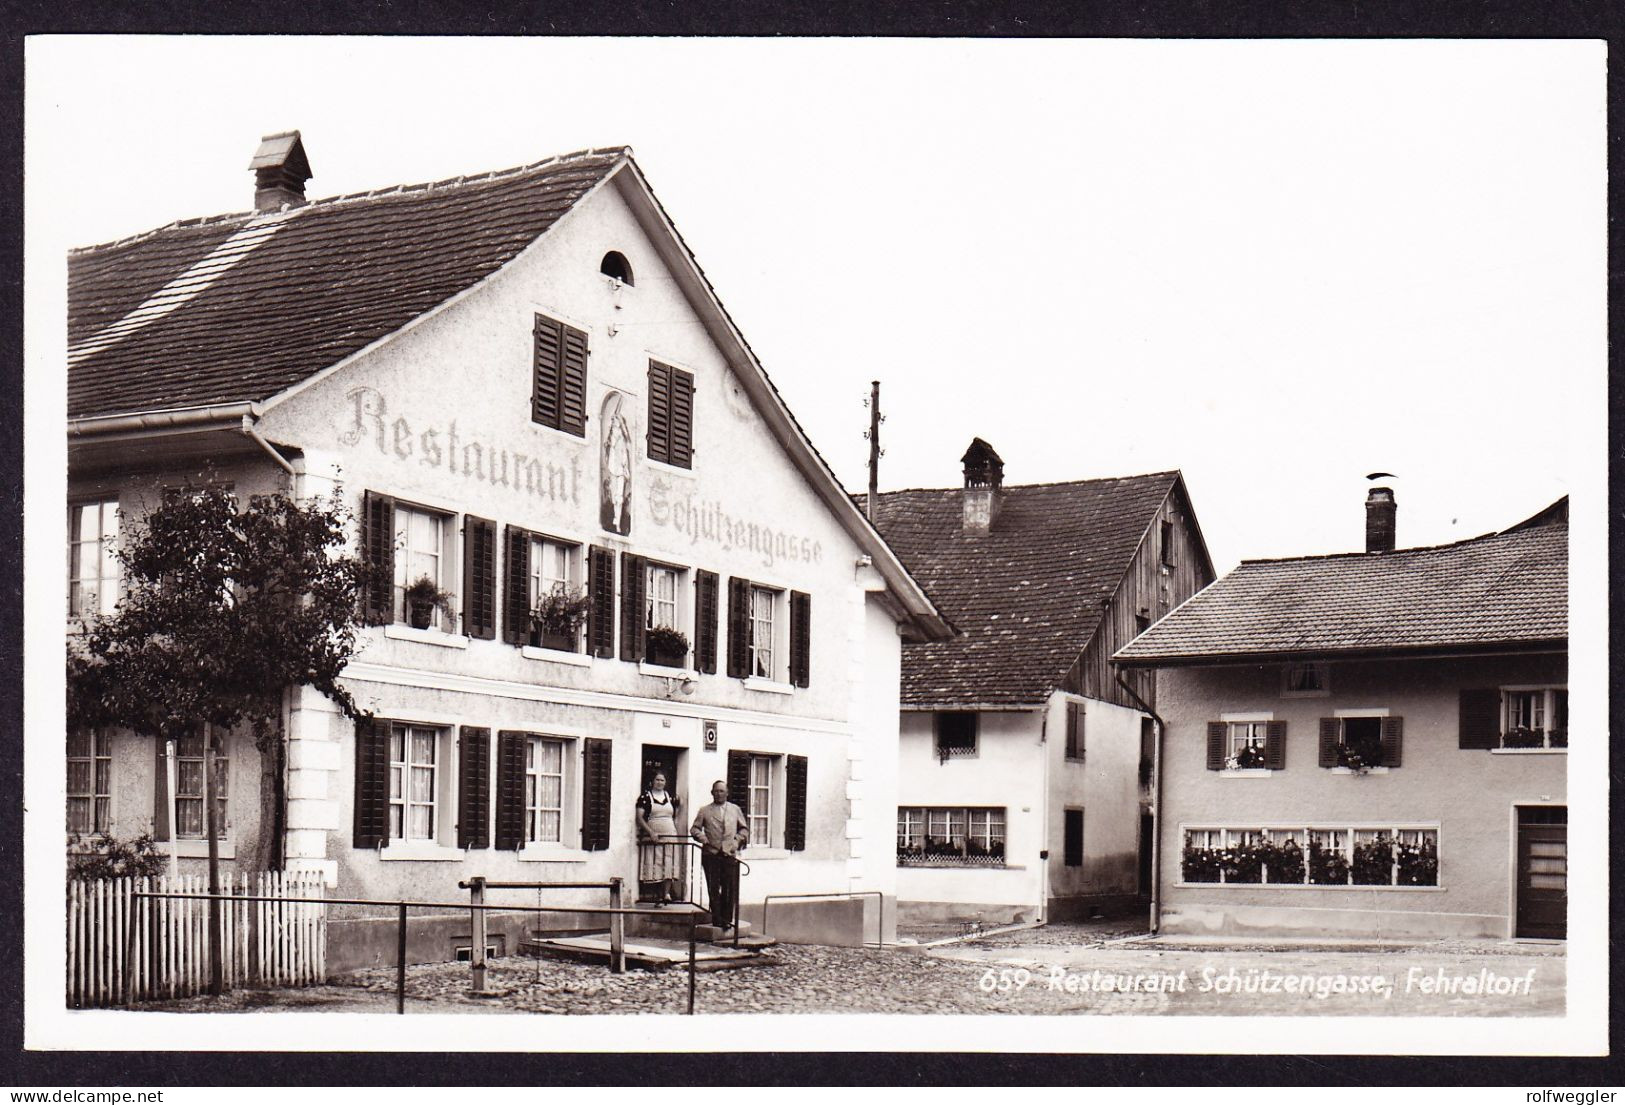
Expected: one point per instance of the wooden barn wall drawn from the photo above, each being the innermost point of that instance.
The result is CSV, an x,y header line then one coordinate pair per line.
x,y
1146,586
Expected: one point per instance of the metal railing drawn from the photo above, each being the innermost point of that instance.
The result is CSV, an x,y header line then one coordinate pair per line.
x,y
478,885
880,911
400,943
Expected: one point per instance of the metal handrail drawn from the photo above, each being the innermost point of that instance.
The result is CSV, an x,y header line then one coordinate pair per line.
x,y
880,912
400,945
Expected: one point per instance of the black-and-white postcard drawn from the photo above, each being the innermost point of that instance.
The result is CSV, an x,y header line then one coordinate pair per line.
x,y
816,545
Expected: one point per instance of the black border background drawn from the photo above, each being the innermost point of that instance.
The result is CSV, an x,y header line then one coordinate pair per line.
x,y
1162,19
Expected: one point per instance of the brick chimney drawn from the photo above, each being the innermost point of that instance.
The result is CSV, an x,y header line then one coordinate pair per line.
x,y
1380,510
984,478
280,172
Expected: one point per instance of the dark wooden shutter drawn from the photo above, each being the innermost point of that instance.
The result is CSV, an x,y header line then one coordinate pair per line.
x,y
601,592
378,550
160,813
573,384
1480,719
1074,731
511,789
634,606
473,787
1330,733
738,627
659,434
1393,741
371,783
549,356
739,783
682,419
795,803
516,585
595,794
705,622
800,639
1275,745
479,577
1217,732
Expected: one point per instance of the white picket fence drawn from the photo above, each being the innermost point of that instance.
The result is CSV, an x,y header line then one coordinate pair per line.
x,y
266,943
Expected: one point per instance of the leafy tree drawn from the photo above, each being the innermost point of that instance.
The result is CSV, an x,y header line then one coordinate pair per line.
x,y
223,610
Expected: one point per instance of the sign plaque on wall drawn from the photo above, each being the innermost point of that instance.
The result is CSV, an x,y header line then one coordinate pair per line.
x,y
710,735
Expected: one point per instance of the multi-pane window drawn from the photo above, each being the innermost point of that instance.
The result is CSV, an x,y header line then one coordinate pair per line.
x,y
663,597
93,569
190,820
544,790
90,781
952,836
761,798
413,782
555,578
420,553
1305,681
1535,718
1312,856
762,603
1245,744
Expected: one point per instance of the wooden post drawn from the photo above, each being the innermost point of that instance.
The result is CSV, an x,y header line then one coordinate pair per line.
x,y
617,929
874,449
129,956
691,917
400,964
476,954
210,818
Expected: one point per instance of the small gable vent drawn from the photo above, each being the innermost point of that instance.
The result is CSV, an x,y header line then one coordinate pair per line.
x,y
617,266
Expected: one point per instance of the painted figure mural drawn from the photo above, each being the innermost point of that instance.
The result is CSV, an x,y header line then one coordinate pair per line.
x,y
615,511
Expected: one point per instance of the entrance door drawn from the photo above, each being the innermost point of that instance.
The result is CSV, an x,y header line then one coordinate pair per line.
x,y
1543,879
657,757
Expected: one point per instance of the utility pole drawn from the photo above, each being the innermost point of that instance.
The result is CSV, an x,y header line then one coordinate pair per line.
x,y
874,448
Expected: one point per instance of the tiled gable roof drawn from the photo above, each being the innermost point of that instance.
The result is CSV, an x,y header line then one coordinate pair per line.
x,y
1503,589
241,307
1026,597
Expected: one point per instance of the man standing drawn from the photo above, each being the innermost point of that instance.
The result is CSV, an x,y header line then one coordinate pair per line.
x,y
722,830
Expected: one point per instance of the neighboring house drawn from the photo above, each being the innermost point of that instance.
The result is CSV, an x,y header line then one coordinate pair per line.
x,y
522,385
1023,760
1369,744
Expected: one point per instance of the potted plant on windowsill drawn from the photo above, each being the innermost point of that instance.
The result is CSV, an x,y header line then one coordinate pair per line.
x,y
1354,759
423,598
557,620
666,647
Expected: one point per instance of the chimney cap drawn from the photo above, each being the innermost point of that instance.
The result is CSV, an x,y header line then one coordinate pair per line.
x,y
282,151
980,452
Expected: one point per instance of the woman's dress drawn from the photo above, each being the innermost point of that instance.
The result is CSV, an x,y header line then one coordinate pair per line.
x,y
665,861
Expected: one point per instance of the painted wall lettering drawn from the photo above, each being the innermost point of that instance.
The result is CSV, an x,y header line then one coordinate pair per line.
x,y
461,453
679,510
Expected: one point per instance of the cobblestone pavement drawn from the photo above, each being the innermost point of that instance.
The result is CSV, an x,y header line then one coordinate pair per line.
x,y
1081,968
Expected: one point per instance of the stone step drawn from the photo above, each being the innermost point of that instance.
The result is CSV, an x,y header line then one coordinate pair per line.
x,y
648,954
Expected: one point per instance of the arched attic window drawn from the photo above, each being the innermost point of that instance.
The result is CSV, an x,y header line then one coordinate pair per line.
x,y
616,265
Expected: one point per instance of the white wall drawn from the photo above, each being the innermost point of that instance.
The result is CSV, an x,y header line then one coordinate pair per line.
x,y
1006,771
1106,787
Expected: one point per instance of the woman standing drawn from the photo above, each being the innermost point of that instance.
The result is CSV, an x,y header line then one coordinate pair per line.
x,y
660,856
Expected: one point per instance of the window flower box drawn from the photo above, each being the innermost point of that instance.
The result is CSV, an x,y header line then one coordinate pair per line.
x,y
665,647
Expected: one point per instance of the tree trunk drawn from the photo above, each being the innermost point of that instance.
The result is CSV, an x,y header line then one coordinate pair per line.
x,y
270,844
211,829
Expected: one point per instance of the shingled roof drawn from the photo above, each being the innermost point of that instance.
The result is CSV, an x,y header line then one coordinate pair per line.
x,y
1502,590
1026,597
239,307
